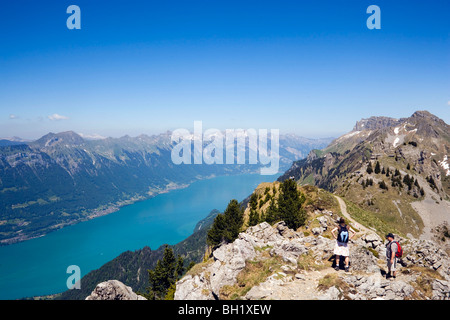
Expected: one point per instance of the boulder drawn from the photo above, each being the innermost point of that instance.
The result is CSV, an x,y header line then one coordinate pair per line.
x,y
441,290
113,290
194,288
373,239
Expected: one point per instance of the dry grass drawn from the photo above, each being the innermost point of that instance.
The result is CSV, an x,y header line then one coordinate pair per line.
x,y
199,267
333,280
307,262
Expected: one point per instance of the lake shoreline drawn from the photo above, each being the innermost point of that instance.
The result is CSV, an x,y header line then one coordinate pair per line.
x,y
107,209
103,210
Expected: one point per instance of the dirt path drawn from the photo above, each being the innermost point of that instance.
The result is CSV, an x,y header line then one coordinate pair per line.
x,y
302,288
362,229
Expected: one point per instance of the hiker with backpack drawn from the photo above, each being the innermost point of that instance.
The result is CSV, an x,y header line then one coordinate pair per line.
x,y
341,247
394,252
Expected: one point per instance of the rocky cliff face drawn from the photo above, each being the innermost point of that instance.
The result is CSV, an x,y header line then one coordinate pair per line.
x,y
374,123
274,262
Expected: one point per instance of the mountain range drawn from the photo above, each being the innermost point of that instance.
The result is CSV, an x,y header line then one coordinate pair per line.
x,y
63,178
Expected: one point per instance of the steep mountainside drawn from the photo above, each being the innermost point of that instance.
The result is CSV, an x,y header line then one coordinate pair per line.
x,y
396,168
62,178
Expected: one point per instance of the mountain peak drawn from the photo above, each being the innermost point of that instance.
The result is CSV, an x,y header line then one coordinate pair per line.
x,y
423,114
62,138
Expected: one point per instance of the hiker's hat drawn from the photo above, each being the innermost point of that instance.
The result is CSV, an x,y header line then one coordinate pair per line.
x,y
390,235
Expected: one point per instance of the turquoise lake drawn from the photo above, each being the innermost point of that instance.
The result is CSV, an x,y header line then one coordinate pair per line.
x,y
38,266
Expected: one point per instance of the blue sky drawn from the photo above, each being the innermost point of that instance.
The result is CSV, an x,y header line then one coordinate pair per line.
x,y
307,67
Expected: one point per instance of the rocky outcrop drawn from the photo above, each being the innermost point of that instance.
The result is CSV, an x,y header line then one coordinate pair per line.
x,y
374,123
230,259
427,253
113,290
291,279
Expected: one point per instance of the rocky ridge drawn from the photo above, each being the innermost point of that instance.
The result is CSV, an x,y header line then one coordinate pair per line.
x,y
300,268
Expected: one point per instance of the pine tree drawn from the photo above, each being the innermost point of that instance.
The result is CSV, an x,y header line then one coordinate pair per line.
x,y
179,268
226,226
408,181
377,168
383,185
422,192
430,180
215,234
165,274
234,218
271,214
253,218
416,183
290,204
369,168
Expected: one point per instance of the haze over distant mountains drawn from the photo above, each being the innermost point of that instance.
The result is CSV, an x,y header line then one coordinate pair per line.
x,y
62,178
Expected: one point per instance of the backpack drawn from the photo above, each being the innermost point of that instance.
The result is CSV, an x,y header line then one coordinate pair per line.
x,y
343,234
399,252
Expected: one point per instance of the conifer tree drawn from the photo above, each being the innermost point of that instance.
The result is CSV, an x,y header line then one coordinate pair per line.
x,y
290,203
253,216
215,234
165,274
422,192
369,168
271,214
226,226
234,218
377,168
383,185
